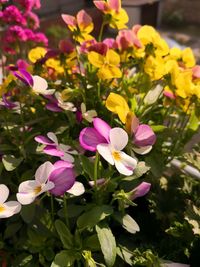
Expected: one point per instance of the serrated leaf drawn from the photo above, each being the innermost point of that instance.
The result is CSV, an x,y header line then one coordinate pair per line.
x,y
65,235
141,169
90,218
108,244
10,162
153,95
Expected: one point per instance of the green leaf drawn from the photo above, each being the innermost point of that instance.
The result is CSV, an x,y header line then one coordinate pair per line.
x,y
64,259
90,218
10,162
125,254
92,243
141,169
153,95
108,244
12,229
158,128
65,236
28,212
193,122
88,166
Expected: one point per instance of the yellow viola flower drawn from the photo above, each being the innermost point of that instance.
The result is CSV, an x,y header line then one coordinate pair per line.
x,y
118,16
154,67
36,53
81,25
183,83
148,35
5,84
188,58
107,64
117,104
55,64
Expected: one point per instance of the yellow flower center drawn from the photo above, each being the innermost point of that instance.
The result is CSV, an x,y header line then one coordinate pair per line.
x,y
116,155
2,208
38,189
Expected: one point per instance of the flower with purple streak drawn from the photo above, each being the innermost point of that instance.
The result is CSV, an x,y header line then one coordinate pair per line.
x,y
53,148
140,191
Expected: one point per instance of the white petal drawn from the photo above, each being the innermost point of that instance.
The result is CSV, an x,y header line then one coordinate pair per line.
x,y
25,198
53,137
89,115
48,186
118,138
4,192
28,186
77,189
68,149
105,151
13,206
142,150
43,172
83,108
67,157
126,164
39,84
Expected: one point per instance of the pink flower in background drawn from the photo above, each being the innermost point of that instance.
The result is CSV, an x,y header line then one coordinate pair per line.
x,y
111,43
140,191
40,38
28,5
126,39
66,46
53,148
143,137
33,20
12,14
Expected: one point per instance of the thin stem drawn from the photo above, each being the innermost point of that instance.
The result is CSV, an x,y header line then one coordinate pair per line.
x,y
101,31
52,208
96,166
65,210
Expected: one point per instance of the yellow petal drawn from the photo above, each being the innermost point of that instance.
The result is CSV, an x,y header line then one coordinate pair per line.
x,y
109,72
96,59
112,57
188,57
117,104
36,54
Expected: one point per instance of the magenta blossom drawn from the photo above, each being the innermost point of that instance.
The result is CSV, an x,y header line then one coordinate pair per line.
x,y
12,14
143,137
53,148
90,137
140,191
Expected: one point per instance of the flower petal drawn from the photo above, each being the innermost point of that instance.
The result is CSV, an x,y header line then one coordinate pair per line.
x,y
25,198
39,84
12,206
63,179
144,136
53,151
67,157
89,138
141,190
105,151
102,127
118,138
126,164
142,150
77,189
43,140
53,137
4,192
43,172
62,163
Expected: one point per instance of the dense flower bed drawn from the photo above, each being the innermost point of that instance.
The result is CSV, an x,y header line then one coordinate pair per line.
x,y
87,130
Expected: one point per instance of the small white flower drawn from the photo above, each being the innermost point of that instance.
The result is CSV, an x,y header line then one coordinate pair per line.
x,y
40,86
112,153
88,115
64,105
29,190
9,208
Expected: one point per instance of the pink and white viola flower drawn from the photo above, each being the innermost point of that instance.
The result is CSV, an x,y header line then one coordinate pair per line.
x,y
112,152
40,86
9,208
29,190
109,143
64,104
88,115
143,137
53,148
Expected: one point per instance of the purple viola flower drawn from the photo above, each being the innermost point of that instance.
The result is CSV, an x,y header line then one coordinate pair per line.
x,y
90,137
143,137
53,148
6,103
22,75
140,191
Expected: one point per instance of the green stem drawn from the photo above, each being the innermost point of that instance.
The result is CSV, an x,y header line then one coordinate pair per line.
x,y
52,208
96,166
65,210
101,31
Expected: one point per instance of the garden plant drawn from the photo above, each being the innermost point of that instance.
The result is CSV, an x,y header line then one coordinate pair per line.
x,y
88,133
